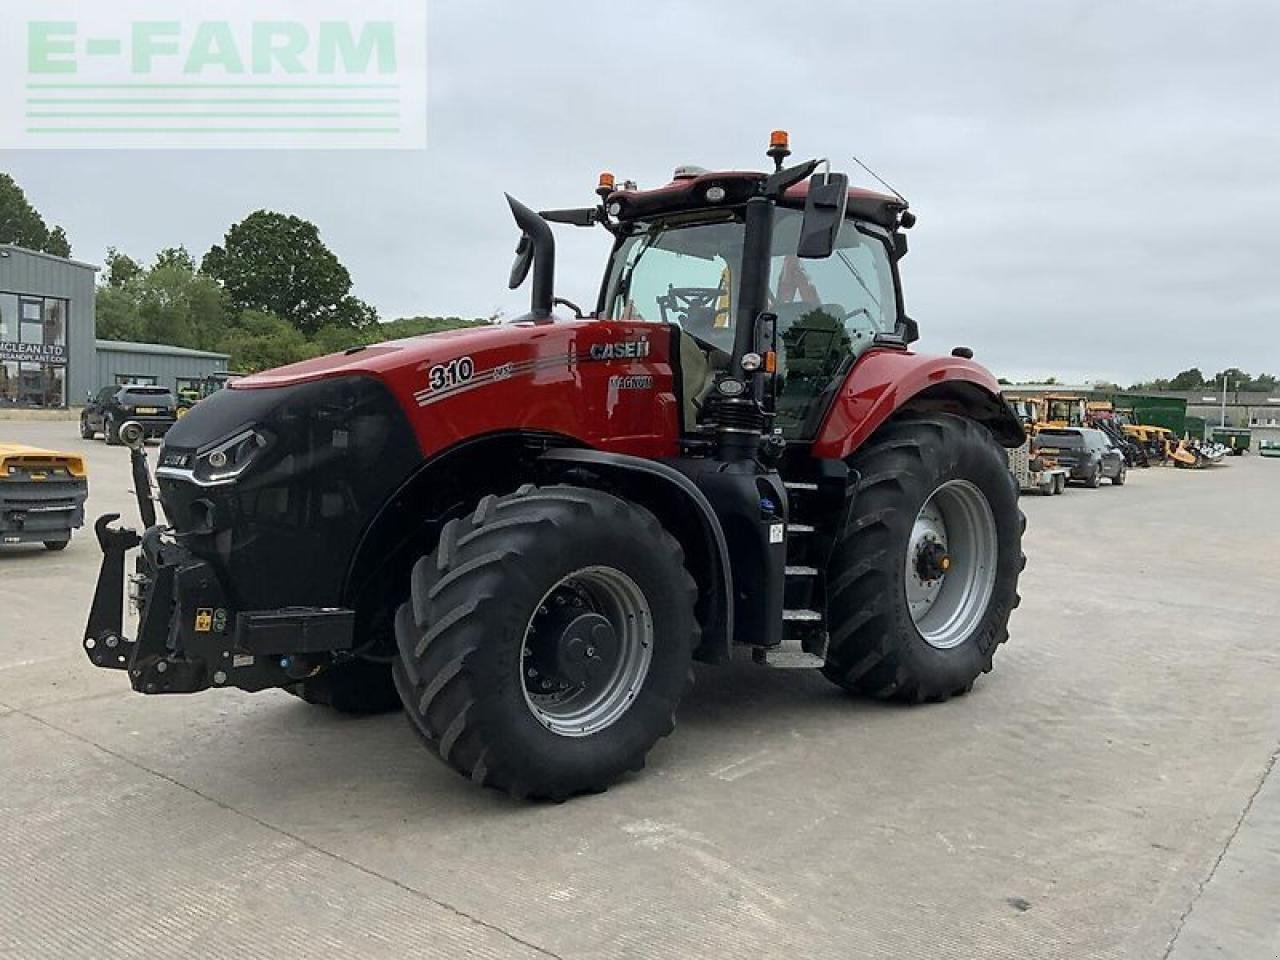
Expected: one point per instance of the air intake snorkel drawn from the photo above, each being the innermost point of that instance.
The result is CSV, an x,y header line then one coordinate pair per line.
x,y
537,249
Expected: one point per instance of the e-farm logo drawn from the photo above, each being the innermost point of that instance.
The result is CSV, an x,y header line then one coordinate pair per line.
x,y
236,74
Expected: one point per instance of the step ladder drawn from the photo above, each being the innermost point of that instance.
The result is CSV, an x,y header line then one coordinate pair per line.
x,y
804,626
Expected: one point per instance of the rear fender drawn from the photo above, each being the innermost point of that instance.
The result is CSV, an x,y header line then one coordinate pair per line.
x,y
885,383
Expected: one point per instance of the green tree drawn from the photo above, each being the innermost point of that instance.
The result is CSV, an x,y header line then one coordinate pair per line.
x,y
121,268
259,341
1236,379
117,314
1191,379
277,264
168,303
58,244
176,257
22,225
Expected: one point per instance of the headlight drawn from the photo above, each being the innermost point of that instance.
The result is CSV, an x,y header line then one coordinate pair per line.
x,y
229,458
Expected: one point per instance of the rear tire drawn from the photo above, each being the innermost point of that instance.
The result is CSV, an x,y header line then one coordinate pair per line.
x,y
492,623
1095,478
355,687
878,648
1118,479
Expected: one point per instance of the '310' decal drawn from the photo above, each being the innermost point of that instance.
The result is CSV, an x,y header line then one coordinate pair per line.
x,y
456,372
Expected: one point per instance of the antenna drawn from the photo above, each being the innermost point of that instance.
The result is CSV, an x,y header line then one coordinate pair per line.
x,y
880,179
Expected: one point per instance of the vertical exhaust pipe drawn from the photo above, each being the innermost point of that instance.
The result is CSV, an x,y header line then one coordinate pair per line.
x,y
541,246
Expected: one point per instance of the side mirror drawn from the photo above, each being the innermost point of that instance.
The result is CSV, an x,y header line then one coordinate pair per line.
x,y
524,260
910,329
824,209
88,396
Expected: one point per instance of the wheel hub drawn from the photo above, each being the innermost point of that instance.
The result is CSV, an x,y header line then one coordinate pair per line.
x,y
950,564
585,644
932,560
586,651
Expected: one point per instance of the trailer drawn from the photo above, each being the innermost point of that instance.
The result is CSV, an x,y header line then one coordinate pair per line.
x,y
1236,440
1036,474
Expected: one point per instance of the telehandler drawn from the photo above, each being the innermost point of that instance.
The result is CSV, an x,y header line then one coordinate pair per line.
x,y
526,533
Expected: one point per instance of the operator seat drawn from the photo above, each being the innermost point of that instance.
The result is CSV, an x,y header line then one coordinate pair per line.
x,y
698,368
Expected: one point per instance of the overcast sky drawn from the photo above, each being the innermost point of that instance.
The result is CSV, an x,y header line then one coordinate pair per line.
x,y
1098,183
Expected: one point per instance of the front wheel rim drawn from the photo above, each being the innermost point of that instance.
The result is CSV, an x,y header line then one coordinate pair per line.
x,y
586,651
951,564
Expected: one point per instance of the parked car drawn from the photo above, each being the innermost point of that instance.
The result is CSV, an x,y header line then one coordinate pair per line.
x,y
1089,454
155,408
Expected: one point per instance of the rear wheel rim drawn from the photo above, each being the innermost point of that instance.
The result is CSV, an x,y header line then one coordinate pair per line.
x,y
586,651
950,565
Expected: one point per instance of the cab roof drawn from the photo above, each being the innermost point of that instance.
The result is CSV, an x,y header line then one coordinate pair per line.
x,y
689,192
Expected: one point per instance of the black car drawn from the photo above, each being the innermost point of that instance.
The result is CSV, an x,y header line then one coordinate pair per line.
x,y
1087,453
155,408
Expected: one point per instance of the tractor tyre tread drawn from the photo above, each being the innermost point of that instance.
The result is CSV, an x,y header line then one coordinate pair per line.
x,y
460,635
874,648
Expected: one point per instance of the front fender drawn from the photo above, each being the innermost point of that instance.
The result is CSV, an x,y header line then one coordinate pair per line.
x,y
688,515
885,382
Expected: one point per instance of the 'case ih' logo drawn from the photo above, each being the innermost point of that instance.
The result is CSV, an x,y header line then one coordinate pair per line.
x,y
621,350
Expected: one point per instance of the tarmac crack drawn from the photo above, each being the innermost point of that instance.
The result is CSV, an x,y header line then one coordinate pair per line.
x,y
222,804
1235,830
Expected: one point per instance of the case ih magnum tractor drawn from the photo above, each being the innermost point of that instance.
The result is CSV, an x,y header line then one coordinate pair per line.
x,y
527,532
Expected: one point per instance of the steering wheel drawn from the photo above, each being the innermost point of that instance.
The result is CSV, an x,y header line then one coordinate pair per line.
x,y
693,306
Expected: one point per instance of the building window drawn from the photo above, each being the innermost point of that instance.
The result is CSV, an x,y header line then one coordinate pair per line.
x,y
33,350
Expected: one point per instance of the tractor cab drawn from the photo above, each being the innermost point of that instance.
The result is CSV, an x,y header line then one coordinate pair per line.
x,y
685,268
774,284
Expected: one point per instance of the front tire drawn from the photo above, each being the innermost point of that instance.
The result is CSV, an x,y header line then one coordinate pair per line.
x,y
1095,478
924,575
86,431
1119,478
548,641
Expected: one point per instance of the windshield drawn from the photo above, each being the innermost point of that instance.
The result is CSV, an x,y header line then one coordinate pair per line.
x,y
685,271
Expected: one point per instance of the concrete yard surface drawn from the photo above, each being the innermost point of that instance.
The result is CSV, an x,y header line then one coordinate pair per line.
x,y
1107,791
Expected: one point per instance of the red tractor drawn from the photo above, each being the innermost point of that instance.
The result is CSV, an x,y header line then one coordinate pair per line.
x,y
526,533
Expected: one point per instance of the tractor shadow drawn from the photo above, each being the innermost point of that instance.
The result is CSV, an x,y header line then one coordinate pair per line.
x,y
743,695
385,769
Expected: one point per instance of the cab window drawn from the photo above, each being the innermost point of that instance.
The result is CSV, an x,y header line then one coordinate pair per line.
x,y
680,273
